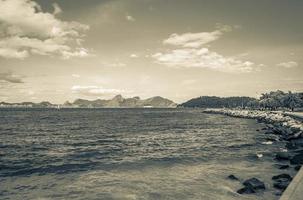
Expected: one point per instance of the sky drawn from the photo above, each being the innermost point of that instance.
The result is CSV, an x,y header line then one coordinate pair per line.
x,y
59,50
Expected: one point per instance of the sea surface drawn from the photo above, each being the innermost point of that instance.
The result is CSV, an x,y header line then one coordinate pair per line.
x,y
131,154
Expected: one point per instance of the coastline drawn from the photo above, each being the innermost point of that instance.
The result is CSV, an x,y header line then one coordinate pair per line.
x,y
288,127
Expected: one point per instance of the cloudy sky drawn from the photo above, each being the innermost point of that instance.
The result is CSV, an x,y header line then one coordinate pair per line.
x,y
59,50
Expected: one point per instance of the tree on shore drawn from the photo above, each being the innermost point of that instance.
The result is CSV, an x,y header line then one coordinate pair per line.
x,y
272,101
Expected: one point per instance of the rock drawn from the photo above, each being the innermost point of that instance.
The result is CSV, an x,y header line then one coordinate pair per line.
x,y
282,156
246,190
232,177
298,167
281,181
294,136
281,185
272,138
254,184
270,126
282,177
297,159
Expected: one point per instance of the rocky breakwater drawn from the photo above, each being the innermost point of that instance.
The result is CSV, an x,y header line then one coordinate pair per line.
x,y
285,128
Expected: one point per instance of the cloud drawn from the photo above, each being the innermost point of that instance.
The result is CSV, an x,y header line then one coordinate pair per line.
x,y
76,76
57,9
134,56
196,40
26,30
95,91
190,53
130,18
289,64
10,77
202,58
114,64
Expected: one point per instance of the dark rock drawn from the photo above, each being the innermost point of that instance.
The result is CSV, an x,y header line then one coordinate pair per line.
x,y
254,184
232,177
272,138
270,126
298,167
282,177
281,131
264,128
246,190
295,129
282,156
294,136
281,185
297,159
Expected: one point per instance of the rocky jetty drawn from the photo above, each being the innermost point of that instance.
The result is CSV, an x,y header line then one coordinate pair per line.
x,y
279,126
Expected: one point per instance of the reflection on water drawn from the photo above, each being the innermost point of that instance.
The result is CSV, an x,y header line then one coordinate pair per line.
x,y
130,154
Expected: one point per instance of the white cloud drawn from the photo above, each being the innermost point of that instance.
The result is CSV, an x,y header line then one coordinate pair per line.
x,y
10,77
114,64
57,9
134,56
289,64
76,75
195,40
130,18
191,53
95,90
26,30
202,58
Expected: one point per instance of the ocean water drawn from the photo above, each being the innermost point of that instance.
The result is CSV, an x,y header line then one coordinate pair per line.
x,y
131,154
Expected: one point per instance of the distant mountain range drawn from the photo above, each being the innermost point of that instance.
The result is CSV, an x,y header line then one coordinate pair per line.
x,y
116,102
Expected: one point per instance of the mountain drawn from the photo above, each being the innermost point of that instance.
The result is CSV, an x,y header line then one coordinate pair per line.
x,y
116,102
121,102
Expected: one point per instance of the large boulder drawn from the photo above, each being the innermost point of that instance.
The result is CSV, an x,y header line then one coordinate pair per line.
x,y
282,177
251,186
254,184
281,181
246,190
281,185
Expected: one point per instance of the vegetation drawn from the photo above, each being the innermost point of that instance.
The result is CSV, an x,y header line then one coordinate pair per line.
x,y
272,101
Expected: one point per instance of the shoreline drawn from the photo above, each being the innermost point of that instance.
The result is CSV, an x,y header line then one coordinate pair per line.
x,y
289,128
